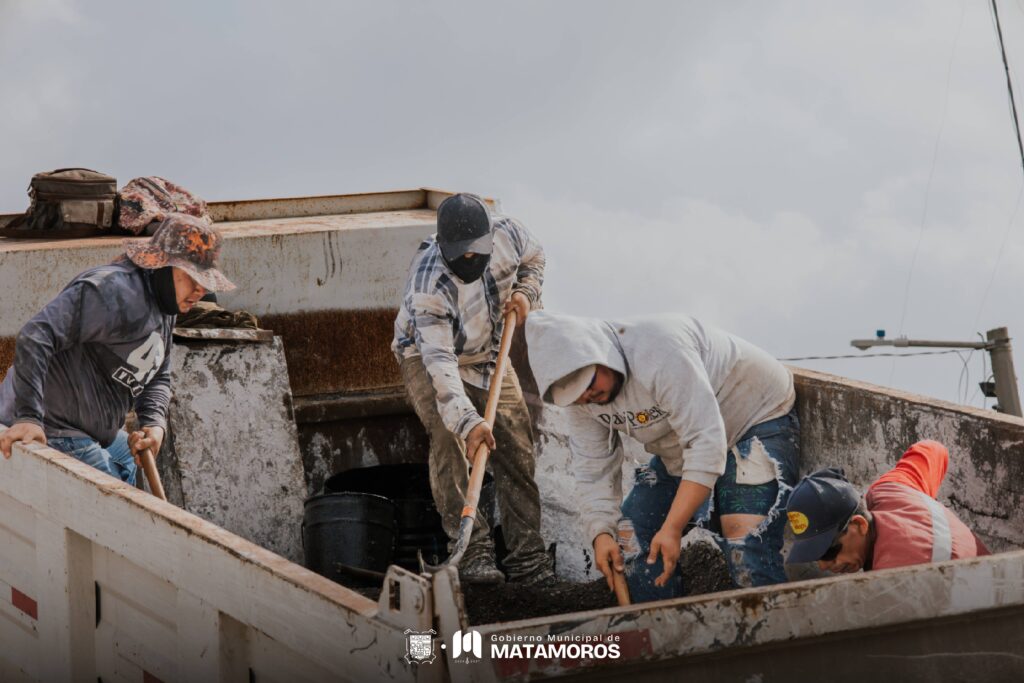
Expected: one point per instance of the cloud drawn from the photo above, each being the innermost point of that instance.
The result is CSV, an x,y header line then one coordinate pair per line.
x,y
696,257
15,12
768,168
784,281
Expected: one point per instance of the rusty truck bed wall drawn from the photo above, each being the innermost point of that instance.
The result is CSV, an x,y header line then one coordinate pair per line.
x,y
955,621
865,429
313,268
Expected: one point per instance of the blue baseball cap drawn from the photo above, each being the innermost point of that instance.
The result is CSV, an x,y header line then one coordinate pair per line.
x,y
818,509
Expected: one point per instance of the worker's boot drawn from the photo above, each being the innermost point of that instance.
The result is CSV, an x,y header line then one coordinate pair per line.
x,y
544,577
480,569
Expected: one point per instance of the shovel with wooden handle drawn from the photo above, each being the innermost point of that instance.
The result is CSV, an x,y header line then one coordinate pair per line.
x,y
476,477
621,588
151,474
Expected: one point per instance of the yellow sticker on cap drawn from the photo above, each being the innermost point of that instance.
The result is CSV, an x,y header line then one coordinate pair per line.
x,y
798,521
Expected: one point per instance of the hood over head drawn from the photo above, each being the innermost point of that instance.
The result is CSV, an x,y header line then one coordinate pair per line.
x,y
559,345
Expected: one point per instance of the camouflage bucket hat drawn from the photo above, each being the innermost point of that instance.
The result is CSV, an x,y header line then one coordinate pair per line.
x,y
184,242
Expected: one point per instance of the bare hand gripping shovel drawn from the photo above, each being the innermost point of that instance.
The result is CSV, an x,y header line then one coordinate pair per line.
x,y
476,477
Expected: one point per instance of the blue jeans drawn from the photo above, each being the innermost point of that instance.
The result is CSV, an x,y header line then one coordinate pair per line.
x,y
755,559
116,459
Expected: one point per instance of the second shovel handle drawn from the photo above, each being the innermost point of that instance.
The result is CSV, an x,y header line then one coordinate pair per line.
x,y
149,467
621,588
476,476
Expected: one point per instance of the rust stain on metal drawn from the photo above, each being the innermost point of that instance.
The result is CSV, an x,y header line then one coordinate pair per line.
x,y
751,603
286,207
335,350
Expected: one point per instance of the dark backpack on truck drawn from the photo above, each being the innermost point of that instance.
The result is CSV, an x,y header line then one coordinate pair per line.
x,y
68,202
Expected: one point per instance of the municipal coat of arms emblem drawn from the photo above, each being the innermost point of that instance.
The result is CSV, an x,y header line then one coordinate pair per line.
x,y
419,646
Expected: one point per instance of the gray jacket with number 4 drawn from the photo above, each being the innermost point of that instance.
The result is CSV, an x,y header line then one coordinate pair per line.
x,y
100,348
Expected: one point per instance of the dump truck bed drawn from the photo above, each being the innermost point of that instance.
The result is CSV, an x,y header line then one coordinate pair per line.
x,y
100,580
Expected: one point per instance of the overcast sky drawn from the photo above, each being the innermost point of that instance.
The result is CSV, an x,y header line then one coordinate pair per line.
x,y
772,168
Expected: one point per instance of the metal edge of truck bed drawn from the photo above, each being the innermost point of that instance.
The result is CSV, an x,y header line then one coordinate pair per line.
x,y
322,205
746,618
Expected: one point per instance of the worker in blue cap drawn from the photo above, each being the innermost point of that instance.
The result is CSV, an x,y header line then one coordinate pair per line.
x,y
897,523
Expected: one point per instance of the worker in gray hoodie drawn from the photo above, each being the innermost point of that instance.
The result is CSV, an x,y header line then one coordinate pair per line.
x,y
103,347
716,412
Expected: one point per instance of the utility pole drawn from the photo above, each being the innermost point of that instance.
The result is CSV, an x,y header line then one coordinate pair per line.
x,y
1002,370
999,349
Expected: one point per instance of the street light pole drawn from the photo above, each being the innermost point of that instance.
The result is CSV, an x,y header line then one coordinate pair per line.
x,y
1000,351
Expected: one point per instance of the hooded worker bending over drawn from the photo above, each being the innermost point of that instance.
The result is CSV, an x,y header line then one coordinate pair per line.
x,y
898,523
716,412
103,347
447,335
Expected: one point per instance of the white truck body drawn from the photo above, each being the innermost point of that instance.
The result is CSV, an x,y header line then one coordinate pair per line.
x,y
99,580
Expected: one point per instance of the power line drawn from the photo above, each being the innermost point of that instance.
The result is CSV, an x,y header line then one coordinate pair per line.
x,y
931,176
999,255
963,384
1020,148
875,355
1009,82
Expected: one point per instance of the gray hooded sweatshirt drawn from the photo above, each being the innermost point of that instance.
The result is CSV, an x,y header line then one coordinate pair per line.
x,y
100,348
689,392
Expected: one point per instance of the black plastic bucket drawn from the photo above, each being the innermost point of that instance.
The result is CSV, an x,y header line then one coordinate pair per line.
x,y
348,530
416,517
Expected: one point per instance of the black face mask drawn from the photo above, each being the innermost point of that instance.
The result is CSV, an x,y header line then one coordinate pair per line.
x,y
163,287
469,268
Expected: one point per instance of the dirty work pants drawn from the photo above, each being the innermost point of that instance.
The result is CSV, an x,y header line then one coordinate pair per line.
x,y
511,463
115,460
755,559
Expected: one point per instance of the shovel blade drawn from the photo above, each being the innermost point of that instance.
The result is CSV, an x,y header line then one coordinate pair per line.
x,y
465,531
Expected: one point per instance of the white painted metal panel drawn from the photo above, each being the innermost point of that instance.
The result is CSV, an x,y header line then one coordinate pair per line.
x,y
18,585
277,664
19,637
18,558
137,618
175,592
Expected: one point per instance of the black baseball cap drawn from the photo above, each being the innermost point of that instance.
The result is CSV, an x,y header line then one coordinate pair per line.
x,y
818,509
464,225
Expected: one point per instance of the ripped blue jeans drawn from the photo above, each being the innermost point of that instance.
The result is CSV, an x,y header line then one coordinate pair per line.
x,y
755,559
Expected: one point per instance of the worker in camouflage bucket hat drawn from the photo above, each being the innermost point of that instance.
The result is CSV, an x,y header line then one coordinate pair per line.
x,y
187,243
102,347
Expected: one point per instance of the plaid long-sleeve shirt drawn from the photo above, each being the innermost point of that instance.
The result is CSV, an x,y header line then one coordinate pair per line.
x,y
441,317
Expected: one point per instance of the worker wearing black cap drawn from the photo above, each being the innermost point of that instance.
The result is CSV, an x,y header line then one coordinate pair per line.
x,y
461,282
